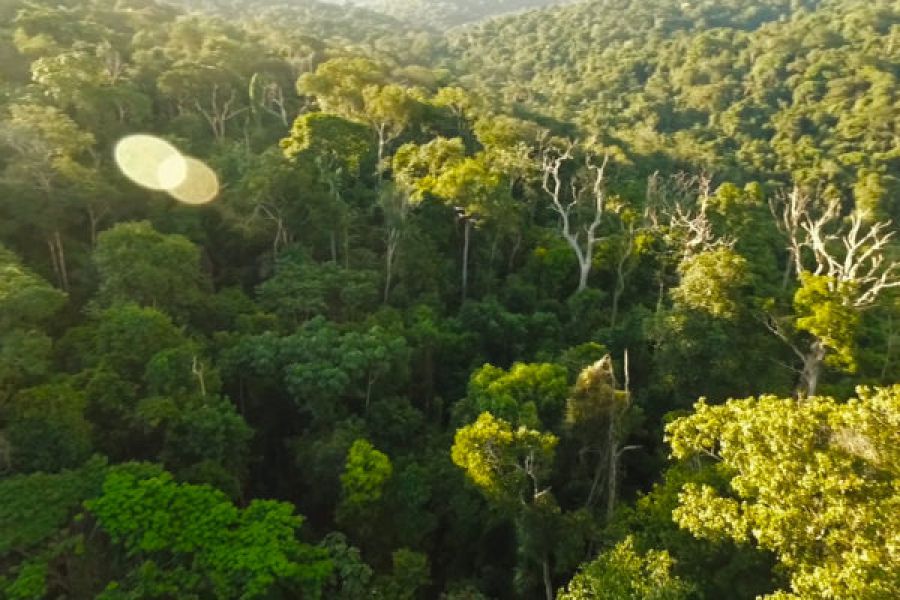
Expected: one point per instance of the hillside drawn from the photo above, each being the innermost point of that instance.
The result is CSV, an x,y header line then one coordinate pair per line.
x,y
761,90
441,14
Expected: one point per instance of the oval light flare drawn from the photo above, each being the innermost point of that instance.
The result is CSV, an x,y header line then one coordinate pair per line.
x,y
199,186
150,162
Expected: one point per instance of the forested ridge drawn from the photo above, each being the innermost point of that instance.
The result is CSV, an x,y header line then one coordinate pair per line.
x,y
440,14
597,301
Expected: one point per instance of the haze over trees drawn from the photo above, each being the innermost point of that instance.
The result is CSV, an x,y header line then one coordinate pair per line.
x,y
597,301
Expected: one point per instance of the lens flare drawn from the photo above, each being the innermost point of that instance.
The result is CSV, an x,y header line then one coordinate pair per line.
x,y
156,164
199,186
150,162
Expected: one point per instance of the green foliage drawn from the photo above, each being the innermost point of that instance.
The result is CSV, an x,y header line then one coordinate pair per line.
x,y
27,303
47,429
828,316
138,264
365,475
35,507
301,289
442,13
712,282
213,546
329,139
350,576
209,431
503,462
264,345
717,568
25,299
532,395
125,337
409,574
622,573
806,481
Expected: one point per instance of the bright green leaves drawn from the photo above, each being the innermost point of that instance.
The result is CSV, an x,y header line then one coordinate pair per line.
x,y
713,282
204,541
809,480
527,394
329,139
622,573
829,316
417,168
365,475
338,84
506,464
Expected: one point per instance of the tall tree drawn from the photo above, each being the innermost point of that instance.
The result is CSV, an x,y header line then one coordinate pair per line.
x,y
843,269
807,480
579,200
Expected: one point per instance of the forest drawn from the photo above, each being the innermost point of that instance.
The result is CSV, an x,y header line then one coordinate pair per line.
x,y
475,300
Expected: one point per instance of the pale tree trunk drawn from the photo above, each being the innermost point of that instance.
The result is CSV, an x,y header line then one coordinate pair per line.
x,y
812,369
392,246
553,186
612,460
621,273
584,273
467,233
548,582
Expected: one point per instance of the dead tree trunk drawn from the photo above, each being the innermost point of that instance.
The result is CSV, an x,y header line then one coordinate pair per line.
x,y
576,197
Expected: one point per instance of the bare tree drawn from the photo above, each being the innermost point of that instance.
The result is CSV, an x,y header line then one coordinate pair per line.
x,y
596,415
848,253
680,205
395,202
220,110
573,198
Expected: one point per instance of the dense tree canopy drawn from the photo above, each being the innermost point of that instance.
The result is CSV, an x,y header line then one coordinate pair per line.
x,y
469,308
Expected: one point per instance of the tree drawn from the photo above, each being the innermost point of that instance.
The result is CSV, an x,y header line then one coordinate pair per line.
x,y
532,395
842,271
622,573
408,575
211,78
807,480
336,148
46,429
578,200
46,146
596,405
189,539
27,303
365,475
510,466
138,264
389,111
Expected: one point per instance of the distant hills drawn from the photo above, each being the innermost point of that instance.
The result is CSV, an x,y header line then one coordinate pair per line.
x,y
441,14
